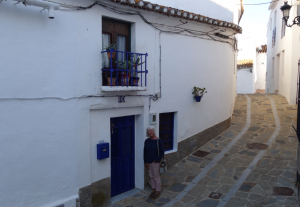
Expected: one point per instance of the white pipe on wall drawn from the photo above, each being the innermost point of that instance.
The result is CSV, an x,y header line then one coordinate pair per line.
x,y
43,4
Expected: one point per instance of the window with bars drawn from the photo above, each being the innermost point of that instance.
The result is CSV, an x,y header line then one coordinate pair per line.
x,y
274,37
166,130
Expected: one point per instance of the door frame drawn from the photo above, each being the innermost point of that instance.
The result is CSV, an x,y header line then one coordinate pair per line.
x,y
99,118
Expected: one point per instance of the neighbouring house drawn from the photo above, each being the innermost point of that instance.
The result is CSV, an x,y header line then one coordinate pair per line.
x,y
74,115
283,55
251,71
261,67
245,76
246,65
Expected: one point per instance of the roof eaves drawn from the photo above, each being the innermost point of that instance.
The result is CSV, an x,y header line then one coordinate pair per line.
x,y
169,11
263,50
245,63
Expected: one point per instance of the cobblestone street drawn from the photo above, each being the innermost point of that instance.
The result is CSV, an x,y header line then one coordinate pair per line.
x,y
246,165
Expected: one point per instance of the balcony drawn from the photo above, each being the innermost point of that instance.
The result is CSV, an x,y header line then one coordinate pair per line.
x,y
124,71
274,37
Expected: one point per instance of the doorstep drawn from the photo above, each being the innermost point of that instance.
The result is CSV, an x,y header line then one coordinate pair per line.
x,y
122,196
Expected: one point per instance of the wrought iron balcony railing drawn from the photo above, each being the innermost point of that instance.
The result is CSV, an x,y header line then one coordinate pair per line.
x,y
274,37
125,69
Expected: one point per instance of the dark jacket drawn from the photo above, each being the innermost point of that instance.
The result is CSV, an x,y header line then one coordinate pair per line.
x,y
151,150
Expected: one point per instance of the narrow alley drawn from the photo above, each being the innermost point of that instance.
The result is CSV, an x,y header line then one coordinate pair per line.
x,y
252,163
144,103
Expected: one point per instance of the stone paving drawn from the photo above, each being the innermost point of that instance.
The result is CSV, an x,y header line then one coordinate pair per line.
x,y
276,168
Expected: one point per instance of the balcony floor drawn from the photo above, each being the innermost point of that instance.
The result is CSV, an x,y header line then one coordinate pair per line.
x,y
123,88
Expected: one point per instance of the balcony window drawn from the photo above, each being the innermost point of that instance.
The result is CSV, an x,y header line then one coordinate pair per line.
x,y
122,70
106,40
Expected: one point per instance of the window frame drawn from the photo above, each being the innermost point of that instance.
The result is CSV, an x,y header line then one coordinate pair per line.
x,y
108,33
122,22
172,131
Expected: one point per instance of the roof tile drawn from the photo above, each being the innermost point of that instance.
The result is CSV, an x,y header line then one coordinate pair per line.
x,y
263,50
244,63
145,5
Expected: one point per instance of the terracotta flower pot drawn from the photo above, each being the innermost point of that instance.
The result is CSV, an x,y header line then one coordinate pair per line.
x,y
109,54
124,78
113,81
134,81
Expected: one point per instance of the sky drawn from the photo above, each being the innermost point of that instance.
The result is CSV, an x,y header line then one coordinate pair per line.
x,y
254,21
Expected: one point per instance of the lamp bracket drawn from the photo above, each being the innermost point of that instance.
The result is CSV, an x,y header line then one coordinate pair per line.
x,y
295,21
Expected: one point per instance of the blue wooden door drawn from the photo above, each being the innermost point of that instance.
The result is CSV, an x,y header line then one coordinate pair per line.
x,y
122,154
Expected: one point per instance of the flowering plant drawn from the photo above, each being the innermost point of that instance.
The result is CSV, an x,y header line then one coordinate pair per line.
x,y
199,91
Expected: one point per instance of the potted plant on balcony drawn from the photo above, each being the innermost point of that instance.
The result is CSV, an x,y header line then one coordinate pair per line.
x,y
198,93
124,76
135,80
129,76
109,48
111,81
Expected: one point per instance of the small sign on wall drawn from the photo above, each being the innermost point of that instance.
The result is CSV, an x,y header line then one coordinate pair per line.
x,y
121,99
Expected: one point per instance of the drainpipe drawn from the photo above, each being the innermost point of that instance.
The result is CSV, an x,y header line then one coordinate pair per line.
x,y
159,65
43,4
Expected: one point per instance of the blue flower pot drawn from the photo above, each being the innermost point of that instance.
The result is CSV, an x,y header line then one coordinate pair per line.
x,y
198,98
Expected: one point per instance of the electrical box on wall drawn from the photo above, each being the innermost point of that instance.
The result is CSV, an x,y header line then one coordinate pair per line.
x,y
153,118
102,151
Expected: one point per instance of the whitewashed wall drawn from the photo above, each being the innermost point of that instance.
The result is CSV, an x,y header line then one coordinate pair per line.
x,y
246,83
245,80
48,145
286,54
261,65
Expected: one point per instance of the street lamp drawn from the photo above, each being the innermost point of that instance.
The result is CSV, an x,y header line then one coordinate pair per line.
x,y
286,8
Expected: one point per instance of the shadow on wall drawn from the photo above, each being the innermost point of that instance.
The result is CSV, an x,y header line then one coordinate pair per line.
x,y
218,9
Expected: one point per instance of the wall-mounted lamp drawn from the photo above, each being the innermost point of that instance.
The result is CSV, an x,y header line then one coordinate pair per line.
x,y
286,8
43,4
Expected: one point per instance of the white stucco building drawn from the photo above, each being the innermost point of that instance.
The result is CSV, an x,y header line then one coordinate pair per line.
x,y
56,104
251,72
245,77
246,65
261,68
283,54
